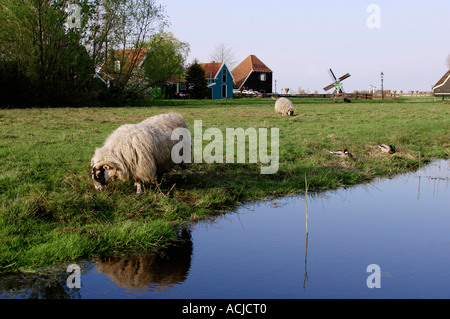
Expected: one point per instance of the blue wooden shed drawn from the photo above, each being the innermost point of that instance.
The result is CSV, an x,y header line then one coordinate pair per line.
x,y
220,80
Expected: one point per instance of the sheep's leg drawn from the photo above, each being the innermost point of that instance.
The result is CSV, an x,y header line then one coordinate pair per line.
x,y
138,188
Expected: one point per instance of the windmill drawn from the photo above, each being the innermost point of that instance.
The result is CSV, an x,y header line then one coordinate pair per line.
x,y
338,88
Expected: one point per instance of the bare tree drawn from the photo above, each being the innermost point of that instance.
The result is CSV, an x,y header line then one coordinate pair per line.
x,y
448,61
223,53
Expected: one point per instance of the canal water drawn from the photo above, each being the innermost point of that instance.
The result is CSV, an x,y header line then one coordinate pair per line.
x,y
386,239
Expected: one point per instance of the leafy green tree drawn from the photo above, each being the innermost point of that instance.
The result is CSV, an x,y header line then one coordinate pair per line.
x,y
59,60
35,36
165,59
119,32
195,76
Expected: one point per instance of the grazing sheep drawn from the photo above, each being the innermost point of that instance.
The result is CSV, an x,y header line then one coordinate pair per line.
x,y
284,106
139,152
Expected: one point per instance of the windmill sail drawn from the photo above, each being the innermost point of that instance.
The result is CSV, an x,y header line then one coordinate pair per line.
x,y
345,76
329,87
333,77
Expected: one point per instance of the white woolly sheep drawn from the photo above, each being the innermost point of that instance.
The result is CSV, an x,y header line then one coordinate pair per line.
x,y
138,152
284,106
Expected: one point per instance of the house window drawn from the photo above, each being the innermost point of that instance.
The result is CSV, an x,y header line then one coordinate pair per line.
x,y
224,76
224,90
263,77
211,79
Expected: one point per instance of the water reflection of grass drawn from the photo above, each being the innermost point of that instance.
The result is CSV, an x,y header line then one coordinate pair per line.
x,y
50,213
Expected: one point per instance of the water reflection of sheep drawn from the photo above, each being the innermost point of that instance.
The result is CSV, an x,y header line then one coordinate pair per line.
x,y
164,269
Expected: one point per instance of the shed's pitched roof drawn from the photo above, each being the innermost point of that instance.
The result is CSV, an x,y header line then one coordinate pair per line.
x,y
126,57
211,69
243,70
132,54
442,81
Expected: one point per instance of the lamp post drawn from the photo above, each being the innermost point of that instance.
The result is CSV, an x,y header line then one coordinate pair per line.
x,y
275,86
382,87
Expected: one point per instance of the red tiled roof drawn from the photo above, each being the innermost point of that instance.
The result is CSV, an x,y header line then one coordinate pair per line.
x,y
251,63
211,69
127,56
176,79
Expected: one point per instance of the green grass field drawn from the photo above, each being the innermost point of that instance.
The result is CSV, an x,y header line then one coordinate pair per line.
x,y
50,212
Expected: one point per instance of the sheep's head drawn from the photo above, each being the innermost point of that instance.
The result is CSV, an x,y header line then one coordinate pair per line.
x,y
102,173
291,113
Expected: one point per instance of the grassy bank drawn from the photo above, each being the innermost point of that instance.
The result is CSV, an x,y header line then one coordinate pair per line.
x,y
50,212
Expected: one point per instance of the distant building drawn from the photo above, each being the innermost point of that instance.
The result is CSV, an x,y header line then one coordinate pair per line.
x,y
220,80
120,60
178,87
252,74
442,87
124,59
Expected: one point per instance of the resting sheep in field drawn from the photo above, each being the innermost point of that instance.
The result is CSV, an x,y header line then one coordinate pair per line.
x,y
138,152
284,106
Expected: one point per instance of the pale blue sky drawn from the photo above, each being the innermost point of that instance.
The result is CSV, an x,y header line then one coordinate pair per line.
x,y
301,40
